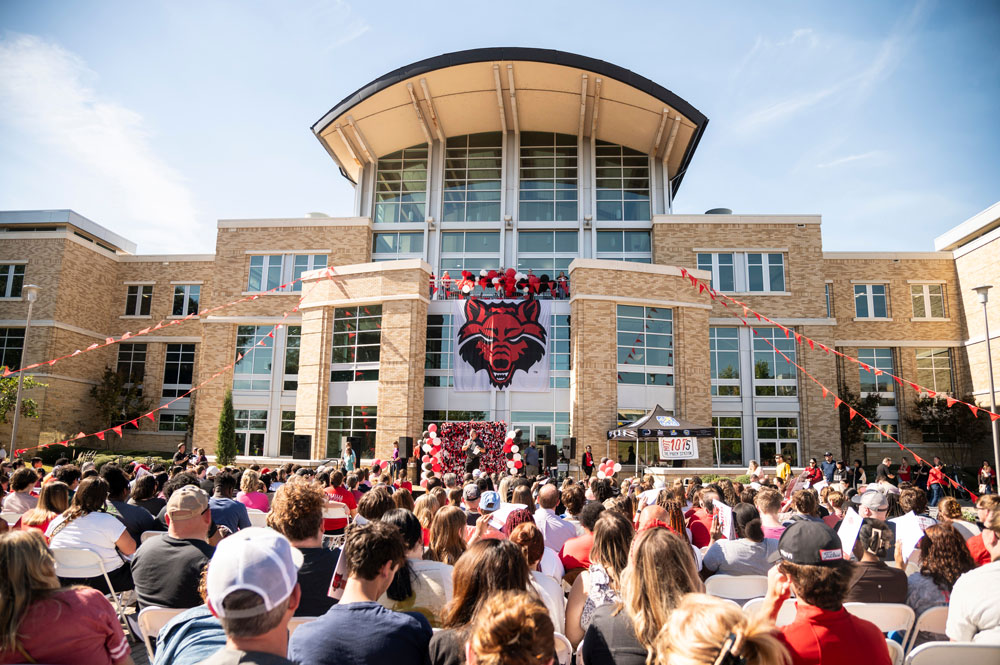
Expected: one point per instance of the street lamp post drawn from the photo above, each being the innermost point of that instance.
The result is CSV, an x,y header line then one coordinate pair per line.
x,y
29,293
984,296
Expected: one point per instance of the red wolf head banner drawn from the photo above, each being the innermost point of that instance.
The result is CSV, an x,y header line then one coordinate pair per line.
x,y
502,345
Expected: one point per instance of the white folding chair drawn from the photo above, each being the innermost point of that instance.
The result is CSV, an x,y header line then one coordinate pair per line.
x,y
736,586
295,622
257,517
10,517
963,653
786,614
932,621
336,513
564,650
895,651
146,535
151,622
78,562
887,616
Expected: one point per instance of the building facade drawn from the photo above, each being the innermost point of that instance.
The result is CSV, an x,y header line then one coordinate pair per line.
x,y
545,162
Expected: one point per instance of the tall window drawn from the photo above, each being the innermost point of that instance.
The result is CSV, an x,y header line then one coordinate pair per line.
x,y
439,343
251,431
928,301
871,301
724,360
778,435
765,272
345,421
11,343
559,351
186,298
872,382
473,164
546,252
401,186
394,246
132,364
618,245
934,369
357,335
269,271
454,416
138,299
11,279
728,440
828,290
287,438
469,250
773,375
722,267
645,345
622,183
253,371
548,175
179,369
754,272
293,342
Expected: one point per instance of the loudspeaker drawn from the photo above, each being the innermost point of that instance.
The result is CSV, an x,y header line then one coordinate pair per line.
x,y
301,446
549,456
406,446
569,447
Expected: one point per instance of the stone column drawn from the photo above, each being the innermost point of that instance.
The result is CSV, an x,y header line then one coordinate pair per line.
x,y
312,394
401,373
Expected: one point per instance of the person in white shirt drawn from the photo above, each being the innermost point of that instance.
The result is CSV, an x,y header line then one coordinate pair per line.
x,y
555,530
974,613
529,539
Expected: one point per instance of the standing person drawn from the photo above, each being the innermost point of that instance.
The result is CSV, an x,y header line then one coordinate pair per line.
x,y
472,447
828,466
903,472
358,629
252,590
397,462
987,479
227,511
935,481
858,476
973,613
181,457
921,473
588,462
755,472
886,468
531,460
782,469
812,473
841,474
349,459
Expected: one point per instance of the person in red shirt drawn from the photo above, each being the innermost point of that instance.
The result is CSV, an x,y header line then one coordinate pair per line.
x,y
700,522
575,552
903,472
337,492
813,473
812,564
588,462
984,506
402,482
936,482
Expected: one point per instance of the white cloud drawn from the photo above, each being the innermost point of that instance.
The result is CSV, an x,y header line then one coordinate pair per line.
x,y
50,99
871,154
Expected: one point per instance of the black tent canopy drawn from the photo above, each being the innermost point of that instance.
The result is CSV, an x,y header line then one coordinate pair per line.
x,y
655,424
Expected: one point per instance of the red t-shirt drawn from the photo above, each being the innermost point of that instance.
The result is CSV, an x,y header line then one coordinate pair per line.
x,y
814,474
76,625
343,495
821,637
406,485
936,476
700,524
978,550
575,552
904,473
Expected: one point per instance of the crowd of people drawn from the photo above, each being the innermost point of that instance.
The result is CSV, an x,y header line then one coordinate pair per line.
x,y
477,568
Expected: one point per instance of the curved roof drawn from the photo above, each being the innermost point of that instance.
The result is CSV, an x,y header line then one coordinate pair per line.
x,y
515,89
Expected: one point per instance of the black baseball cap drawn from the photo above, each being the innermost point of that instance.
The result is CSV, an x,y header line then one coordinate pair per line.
x,y
809,543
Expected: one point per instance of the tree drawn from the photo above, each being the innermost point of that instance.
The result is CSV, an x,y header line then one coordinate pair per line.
x,y
852,430
958,431
8,395
225,441
118,401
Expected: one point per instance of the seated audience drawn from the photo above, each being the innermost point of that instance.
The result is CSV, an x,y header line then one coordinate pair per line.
x,y
144,494
812,565
950,512
251,588
838,507
984,507
136,520
573,500
599,585
226,511
447,538
420,585
489,566
943,559
85,525
974,613
250,494
705,630
700,521
575,552
555,530
747,554
873,581
43,623
358,629
336,491
768,503
403,498
529,539
21,500
512,629
375,503
660,572
470,497
297,514
167,568
52,500
425,507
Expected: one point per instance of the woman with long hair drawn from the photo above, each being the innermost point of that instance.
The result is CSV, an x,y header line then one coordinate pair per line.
x,y
419,585
704,630
86,525
512,629
661,571
490,566
250,494
600,584
747,554
53,500
522,495
144,493
950,512
675,515
425,507
943,559
43,623
447,536
529,538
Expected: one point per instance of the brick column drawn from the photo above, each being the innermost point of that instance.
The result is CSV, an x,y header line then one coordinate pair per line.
x,y
594,384
312,394
693,398
401,373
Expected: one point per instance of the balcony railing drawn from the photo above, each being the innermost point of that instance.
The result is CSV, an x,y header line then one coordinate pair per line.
x,y
451,290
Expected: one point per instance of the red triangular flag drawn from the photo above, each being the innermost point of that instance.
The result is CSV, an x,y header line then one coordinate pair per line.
x,y
100,435
684,272
994,416
798,338
79,436
825,348
837,402
950,401
869,423
701,287
974,409
851,412
825,392
150,416
93,346
117,430
809,339
914,386
897,380
931,393
134,423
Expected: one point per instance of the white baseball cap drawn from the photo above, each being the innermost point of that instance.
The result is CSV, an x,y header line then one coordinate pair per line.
x,y
254,559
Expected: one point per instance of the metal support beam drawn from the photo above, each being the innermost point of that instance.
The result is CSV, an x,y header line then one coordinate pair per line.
x,y
655,148
350,148
673,137
420,114
597,107
513,97
583,106
503,116
362,143
435,120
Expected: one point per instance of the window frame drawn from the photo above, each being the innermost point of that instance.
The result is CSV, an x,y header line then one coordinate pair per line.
x,y
10,354
187,353
246,431
129,356
555,255
190,294
712,262
623,255
366,370
11,276
717,439
456,180
174,421
714,352
607,151
356,413
869,297
564,150
414,199
288,268
651,373
784,344
140,297
778,441
252,352
932,353
925,299
397,255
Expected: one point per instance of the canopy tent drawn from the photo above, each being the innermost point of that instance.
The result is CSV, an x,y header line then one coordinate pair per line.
x,y
655,424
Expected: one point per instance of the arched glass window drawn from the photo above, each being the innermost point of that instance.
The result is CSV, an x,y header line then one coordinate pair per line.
x,y
549,179
401,186
622,183
472,178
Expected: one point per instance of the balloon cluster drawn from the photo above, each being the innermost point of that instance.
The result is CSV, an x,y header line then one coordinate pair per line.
x,y
381,464
608,468
512,452
430,444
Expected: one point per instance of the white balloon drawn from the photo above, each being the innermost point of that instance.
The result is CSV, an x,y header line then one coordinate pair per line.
x,y
600,475
496,280
433,435
618,467
517,457
511,434
514,449
513,471
427,447
510,463
466,288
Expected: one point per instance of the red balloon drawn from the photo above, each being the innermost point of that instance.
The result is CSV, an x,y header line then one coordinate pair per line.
x,y
384,465
517,464
510,272
432,428
436,467
425,458
377,462
506,447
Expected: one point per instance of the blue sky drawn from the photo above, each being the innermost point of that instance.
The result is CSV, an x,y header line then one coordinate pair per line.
x,y
158,118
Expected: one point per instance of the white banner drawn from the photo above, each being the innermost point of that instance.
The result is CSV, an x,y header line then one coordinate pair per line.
x,y
501,344
678,447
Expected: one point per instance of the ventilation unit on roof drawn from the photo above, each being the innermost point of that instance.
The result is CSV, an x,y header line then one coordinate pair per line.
x,y
719,211
317,215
